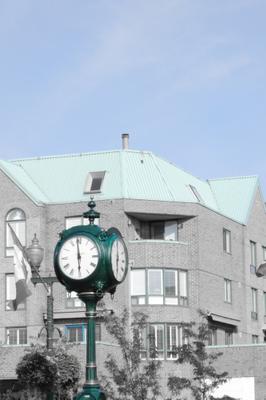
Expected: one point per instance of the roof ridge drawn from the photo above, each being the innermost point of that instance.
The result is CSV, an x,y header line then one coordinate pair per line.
x,y
70,155
161,175
214,195
33,181
233,177
180,168
23,188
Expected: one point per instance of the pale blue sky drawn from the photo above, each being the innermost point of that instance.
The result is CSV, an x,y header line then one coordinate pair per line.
x,y
186,79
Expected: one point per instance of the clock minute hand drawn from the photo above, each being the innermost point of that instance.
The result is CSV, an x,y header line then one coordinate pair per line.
x,y
78,253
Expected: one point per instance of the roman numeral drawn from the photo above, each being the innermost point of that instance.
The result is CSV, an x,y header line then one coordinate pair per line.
x,y
66,266
93,265
71,272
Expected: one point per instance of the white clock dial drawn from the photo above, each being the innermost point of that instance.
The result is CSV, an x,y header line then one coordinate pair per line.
x,y
119,260
78,257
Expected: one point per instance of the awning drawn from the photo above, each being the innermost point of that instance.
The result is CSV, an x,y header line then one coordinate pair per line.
x,y
222,319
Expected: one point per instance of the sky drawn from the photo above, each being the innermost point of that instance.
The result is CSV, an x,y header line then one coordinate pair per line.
x,y
185,78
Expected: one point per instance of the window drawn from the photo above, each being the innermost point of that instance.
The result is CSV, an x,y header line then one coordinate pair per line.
x,y
264,253
155,286
264,297
253,257
156,340
254,296
255,339
212,339
138,286
143,346
72,300
170,286
174,339
227,241
227,291
159,286
161,340
94,182
17,220
76,333
160,230
78,220
11,293
228,338
16,336
196,193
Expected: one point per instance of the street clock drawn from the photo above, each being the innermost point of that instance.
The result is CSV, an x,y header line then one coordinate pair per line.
x,y
90,259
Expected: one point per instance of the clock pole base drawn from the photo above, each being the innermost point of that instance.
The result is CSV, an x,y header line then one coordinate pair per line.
x,y
91,393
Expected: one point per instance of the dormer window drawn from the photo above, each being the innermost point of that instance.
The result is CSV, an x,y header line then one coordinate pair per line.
x,y
196,193
94,182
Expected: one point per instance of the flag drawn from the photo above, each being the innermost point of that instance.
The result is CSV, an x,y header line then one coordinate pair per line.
x,y
22,271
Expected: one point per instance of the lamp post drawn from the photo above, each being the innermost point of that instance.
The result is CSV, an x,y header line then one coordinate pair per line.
x,y
35,255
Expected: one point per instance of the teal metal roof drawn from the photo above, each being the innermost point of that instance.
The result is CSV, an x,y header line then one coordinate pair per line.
x,y
129,174
235,196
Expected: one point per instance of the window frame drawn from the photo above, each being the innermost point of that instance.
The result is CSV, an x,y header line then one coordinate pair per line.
x,y
83,221
182,301
212,337
167,348
254,339
18,329
21,306
263,253
9,252
228,337
83,327
161,353
253,256
254,303
71,299
89,181
148,232
227,291
227,241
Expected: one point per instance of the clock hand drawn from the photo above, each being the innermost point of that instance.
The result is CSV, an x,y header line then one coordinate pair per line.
x,y
78,253
117,257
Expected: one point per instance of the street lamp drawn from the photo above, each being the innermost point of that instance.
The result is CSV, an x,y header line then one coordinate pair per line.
x,y
261,271
35,255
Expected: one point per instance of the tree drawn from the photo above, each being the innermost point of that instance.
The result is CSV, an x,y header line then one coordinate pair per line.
x,y
130,377
204,376
42,370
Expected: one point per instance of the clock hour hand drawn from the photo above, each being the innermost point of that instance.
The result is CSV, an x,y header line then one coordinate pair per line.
x,y
78,253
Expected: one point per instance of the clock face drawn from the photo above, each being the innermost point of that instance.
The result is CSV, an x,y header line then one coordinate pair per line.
x,y
119,260
78,257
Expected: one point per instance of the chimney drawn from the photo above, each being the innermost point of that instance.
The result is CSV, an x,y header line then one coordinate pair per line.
x,y
125,138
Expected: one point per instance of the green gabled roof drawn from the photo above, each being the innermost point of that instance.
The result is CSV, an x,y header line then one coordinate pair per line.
x,y
131,175
235,196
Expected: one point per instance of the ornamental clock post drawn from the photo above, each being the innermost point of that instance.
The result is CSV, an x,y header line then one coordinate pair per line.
x,y
91,262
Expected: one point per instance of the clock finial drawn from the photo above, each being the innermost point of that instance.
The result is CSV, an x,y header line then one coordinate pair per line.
x,y
91,214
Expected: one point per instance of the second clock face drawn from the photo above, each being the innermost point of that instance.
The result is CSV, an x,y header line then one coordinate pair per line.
x,y
78,257
119,260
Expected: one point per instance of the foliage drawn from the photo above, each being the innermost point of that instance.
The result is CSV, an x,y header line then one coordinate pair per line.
x,y
204,377
42,370
131,377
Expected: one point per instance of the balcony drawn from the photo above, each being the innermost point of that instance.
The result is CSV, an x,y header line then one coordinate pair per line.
x,y
150,253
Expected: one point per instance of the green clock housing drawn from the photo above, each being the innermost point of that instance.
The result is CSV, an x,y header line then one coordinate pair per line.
x,y
89,259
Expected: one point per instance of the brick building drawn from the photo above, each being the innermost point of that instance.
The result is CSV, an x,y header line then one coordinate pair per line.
x,y
192,244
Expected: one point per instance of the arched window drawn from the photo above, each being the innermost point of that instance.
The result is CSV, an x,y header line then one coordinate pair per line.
x,y
17,220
